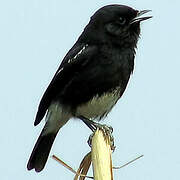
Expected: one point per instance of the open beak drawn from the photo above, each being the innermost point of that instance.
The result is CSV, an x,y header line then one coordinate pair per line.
x,y
138,18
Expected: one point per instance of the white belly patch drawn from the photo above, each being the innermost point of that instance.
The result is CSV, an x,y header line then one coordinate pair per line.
x,y
98,106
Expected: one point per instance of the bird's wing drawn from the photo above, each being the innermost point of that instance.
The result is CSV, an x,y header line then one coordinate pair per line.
x,y
78,57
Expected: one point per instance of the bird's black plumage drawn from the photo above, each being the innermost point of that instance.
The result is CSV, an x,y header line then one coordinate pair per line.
x,y
92,76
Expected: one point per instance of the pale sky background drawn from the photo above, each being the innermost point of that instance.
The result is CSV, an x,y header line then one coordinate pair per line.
x,y
34,37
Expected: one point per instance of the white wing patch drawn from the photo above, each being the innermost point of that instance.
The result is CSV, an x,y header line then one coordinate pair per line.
x,y
59,71
74,58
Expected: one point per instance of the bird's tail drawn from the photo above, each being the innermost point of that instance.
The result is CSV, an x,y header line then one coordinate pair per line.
x,y
55,119
40,152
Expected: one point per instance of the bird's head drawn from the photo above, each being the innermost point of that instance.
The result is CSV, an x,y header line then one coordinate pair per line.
x,y
116,23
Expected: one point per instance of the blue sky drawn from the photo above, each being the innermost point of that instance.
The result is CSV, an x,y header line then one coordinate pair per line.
x,y
34,37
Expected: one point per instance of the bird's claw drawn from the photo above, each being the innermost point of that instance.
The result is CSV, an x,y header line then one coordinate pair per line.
x,y
107,131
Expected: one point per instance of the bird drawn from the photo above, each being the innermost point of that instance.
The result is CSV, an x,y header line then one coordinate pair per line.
x,y
92,76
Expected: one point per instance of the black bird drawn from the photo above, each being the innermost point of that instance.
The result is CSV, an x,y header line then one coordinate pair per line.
x,y
92,76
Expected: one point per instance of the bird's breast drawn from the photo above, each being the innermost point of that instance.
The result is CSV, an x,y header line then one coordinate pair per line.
x,y
98,106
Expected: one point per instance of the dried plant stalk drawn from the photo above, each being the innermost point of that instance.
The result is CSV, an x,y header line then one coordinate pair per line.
x,y
101,156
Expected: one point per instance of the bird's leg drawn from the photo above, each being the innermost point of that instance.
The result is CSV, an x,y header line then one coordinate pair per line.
x,y
89,123
107,130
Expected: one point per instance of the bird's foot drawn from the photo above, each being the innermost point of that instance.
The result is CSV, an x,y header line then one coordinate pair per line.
x,y
107,130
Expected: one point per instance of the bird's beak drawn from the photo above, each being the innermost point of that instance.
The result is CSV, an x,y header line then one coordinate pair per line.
x,y
138,18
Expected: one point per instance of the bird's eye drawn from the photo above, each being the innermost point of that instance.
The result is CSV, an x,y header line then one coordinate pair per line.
x,y
121,20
